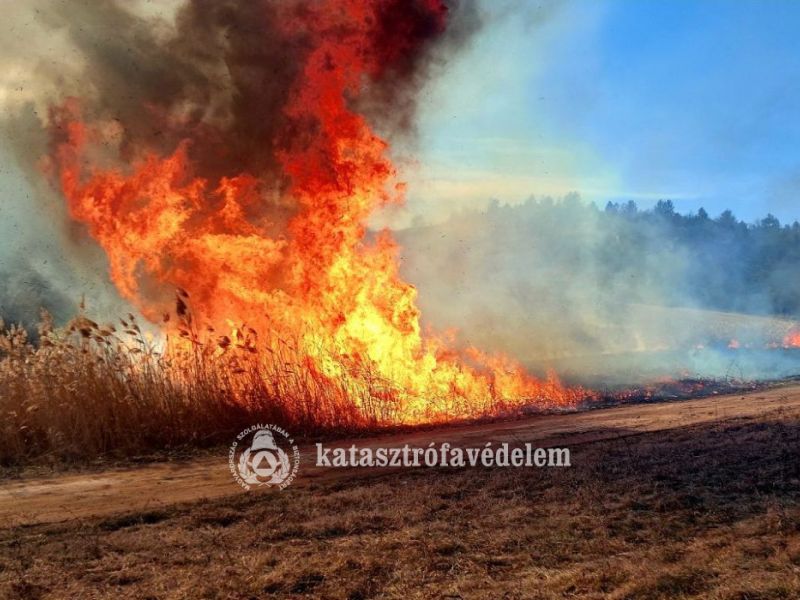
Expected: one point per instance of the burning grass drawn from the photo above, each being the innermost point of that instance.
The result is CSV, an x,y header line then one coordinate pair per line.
x,y
88,390
272,231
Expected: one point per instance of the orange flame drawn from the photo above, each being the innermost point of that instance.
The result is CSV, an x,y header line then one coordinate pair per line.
x,y
792,339
316,279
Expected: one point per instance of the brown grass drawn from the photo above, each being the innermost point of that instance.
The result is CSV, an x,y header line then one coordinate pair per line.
x,y
88,390
706,512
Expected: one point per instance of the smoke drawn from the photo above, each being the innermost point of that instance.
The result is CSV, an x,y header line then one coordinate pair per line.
x,y
555,284
219,76
209,76
46,261
610,297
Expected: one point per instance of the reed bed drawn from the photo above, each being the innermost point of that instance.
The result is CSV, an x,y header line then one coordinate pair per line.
x,y
88,390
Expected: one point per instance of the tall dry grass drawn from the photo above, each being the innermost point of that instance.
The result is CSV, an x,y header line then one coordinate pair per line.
x,y
86,390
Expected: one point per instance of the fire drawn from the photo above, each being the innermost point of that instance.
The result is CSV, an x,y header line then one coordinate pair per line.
x,y
314,278
792,339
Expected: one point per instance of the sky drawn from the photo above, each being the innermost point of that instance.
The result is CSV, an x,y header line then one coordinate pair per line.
x,y
691,100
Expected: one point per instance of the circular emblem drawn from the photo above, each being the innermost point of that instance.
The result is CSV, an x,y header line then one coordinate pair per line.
x,y
264,455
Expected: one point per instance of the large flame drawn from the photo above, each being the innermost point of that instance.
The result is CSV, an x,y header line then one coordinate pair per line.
x,y
315,277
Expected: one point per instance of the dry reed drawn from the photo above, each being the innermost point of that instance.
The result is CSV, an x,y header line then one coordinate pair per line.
x,y
88,390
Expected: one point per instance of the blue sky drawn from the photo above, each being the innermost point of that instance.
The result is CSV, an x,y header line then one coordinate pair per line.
x,y
693,100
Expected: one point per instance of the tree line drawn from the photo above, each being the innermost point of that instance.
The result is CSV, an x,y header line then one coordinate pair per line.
x,y
720,263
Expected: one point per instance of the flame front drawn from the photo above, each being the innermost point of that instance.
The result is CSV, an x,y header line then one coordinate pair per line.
x,y
315,278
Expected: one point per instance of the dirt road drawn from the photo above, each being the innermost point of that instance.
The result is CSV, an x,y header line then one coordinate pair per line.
x,y
142,488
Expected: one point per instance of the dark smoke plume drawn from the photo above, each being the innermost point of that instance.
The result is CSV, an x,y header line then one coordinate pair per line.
x,y
212,75
219,80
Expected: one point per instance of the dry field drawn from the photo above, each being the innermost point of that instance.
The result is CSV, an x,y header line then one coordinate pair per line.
x,y
695,499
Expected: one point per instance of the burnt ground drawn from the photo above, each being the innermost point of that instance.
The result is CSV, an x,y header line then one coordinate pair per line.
x,y
709,510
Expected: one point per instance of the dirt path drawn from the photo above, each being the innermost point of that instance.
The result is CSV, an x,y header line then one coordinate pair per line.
x,y
143,488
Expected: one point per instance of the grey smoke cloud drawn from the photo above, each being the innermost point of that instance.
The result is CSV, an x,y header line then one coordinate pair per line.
x,y
604,300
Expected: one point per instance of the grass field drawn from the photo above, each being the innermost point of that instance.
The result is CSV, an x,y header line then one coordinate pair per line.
x,y
710,510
